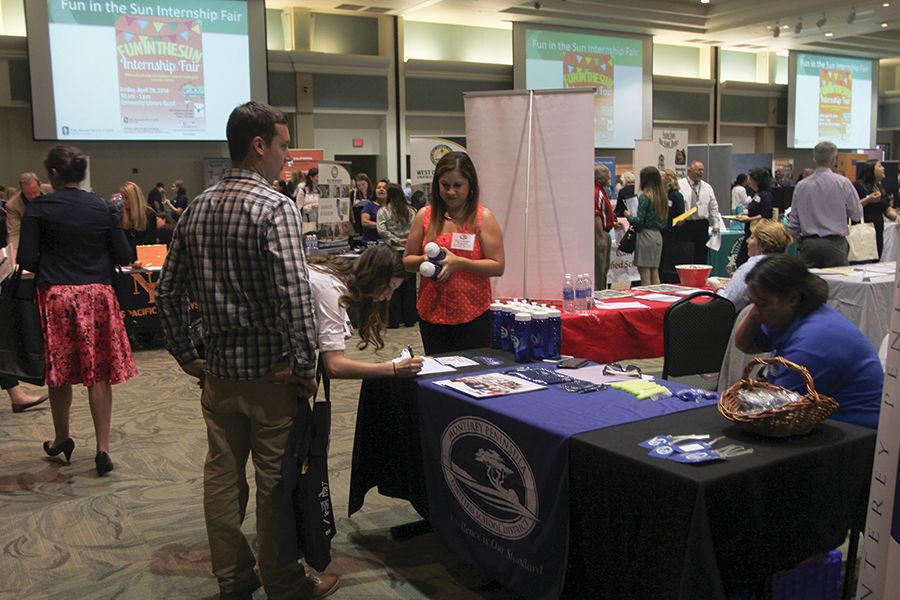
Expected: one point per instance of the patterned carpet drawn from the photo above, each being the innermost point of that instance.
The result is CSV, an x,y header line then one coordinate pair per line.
x,y
139,532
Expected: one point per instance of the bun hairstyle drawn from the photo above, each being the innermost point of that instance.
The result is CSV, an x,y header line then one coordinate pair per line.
x,y
782,275
65,164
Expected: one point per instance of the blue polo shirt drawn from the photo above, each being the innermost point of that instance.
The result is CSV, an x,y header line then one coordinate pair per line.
x,y
841,360
372,208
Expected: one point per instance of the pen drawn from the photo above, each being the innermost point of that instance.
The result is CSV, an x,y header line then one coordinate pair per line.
x,y
409,350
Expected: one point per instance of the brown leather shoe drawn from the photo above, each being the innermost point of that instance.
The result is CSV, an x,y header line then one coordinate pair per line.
x,y
18,407
324,586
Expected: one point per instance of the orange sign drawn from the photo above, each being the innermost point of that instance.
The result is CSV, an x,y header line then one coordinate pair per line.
x,y
301,160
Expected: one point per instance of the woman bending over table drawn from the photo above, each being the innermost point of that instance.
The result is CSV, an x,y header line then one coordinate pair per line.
x,y
789,315
766,237
363,287
454,308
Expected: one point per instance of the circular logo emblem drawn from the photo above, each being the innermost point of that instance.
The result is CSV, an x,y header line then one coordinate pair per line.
x,y
489,477
334,171
438,152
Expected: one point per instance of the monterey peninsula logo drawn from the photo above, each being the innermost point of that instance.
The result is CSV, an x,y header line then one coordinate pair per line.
x,y
489,477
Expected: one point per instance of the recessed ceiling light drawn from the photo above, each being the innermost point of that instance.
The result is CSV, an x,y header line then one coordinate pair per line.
x,y
886,4
829,34
884,24
704,1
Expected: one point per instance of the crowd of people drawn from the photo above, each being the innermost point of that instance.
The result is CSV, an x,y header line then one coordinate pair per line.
x,y
281,322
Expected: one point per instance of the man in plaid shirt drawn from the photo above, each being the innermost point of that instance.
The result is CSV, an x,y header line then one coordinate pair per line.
x,y
237,250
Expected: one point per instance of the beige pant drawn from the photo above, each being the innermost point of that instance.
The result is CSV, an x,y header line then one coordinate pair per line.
x,y
245,416
601,254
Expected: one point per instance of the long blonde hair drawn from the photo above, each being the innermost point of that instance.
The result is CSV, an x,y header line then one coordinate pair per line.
x,y
135,214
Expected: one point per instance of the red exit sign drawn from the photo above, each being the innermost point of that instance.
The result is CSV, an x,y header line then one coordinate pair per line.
x,y
357,142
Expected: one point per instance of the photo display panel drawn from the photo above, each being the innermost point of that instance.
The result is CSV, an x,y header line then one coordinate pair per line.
x,y
146,69
832,100
614,65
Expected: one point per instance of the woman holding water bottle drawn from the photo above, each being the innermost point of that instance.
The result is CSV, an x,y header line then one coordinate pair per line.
x,y
454,301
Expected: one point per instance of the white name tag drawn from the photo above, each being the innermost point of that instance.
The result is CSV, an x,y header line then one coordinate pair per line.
x,y
463,241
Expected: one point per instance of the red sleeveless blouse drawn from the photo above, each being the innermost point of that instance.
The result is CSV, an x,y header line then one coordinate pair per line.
x,y
463,297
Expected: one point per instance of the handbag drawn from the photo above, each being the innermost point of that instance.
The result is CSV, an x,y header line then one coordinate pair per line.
x,y
310,499
861,238
21,338
629,241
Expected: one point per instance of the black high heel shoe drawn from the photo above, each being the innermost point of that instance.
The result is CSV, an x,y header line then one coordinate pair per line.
x,y
66,448
104,463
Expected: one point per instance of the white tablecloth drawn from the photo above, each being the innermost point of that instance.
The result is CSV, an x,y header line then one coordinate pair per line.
x,y
867,304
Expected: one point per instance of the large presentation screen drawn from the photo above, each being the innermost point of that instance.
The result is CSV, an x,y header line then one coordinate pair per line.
x,y
138,69
618,67
832,98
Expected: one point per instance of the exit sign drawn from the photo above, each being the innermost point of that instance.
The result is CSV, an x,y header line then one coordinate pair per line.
x,y
357,142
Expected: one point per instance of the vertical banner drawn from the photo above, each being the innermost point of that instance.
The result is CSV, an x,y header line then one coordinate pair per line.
x,y
670,147
424,154
560,223
645,155
879,576
333,214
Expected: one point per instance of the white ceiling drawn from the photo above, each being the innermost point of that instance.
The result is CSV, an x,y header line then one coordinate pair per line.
x,y
740,24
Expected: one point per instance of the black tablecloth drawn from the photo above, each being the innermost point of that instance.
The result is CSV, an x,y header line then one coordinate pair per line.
x,y
387,447
644,527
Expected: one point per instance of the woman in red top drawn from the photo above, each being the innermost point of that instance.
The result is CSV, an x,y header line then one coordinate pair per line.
x,y
454,308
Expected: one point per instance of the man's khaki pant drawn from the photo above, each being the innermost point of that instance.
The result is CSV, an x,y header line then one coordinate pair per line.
x,y
245,416
601,254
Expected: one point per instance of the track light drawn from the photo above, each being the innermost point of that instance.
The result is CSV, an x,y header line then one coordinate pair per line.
x,y
799,26
777,31
852,16
829,34
821,22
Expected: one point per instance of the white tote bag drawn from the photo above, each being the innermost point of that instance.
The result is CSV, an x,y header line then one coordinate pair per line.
x,y
862,242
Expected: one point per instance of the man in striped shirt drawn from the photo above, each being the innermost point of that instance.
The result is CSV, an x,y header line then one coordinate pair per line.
x,y
237,251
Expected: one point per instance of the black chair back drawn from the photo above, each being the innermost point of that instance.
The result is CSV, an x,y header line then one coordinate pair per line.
x,y
696,335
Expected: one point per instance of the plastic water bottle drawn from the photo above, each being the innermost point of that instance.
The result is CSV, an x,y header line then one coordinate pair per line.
x,y
553,334
496,324
434,252
430,270
506,325
569,294
539,320
521,337
581,293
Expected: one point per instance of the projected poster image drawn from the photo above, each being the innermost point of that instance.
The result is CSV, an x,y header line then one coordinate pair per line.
x,y
148,70
833,101
611,64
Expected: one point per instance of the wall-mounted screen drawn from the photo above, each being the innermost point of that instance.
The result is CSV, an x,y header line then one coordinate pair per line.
x,y
142,69
832,98
618,67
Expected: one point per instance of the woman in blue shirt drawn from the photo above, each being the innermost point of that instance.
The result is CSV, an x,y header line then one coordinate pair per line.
x,y
789,316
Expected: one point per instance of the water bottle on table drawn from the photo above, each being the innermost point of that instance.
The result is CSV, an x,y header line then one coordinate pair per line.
x,y
521,337
568,294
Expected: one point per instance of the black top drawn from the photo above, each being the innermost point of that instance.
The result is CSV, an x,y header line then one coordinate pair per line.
x,y
873,212
145,237
763,207
676,206
72,237
181,201
627,191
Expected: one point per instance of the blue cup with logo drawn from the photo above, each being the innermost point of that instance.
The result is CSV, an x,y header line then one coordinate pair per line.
x,y
521,337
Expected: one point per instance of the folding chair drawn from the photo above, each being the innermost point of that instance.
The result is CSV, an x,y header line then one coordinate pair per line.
x,y
696,335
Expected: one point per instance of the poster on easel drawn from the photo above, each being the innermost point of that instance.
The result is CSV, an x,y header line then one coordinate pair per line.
x,y
329,216
424,154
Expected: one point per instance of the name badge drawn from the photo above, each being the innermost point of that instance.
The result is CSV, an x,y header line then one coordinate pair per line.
x,y
463,241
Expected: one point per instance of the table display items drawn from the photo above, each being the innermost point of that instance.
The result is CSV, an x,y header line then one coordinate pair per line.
x,y
692,448
773,411
642,389
489,385
530,331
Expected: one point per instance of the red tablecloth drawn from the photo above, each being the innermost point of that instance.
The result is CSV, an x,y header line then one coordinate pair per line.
x,y
608,336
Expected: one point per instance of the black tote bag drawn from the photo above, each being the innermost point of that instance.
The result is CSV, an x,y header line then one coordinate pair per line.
x,y
306,485
21,339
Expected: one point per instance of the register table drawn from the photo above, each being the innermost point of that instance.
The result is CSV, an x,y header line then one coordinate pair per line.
x,y
586,512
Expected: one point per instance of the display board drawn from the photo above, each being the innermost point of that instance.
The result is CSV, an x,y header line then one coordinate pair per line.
x,y
143,69
670,145
326,213
879,575
424,154
831,98
617,66
541,193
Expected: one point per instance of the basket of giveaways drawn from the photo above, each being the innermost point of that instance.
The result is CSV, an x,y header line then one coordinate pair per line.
x,y
773,411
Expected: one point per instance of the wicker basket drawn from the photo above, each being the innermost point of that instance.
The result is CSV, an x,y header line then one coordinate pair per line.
x,y
796,418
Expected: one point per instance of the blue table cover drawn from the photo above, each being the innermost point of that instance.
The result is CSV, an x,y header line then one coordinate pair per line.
x,y
497,473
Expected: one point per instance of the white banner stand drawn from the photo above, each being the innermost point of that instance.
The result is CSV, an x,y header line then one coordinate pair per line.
x,y
534,152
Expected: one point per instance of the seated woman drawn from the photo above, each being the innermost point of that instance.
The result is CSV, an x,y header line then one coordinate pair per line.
x,y
788,314
766,237
364,287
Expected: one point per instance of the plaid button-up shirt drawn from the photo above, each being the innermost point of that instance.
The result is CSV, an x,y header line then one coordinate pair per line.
x,y
237,251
